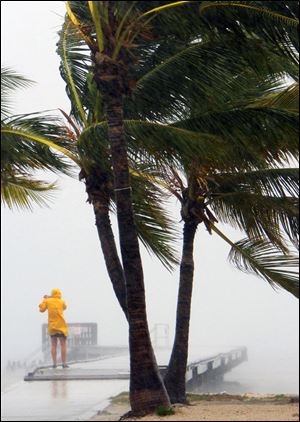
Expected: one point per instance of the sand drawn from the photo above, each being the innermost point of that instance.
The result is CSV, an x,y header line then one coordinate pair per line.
x,y
215,408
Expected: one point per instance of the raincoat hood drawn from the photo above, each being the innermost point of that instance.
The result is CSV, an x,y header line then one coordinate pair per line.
x,y
56,293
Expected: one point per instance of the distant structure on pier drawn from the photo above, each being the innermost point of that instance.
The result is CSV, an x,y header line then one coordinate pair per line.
x,y
160,335
82,341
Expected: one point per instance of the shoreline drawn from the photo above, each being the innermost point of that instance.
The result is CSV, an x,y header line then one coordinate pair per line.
x,y
214,407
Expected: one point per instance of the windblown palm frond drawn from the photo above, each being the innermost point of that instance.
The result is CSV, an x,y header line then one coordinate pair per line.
x,y
74,67
154,225
214,72
154,141
25,141
10,81
197,71
259,216
21,191
256,8
261,203
273,22
21,156
276,182
27,138
260,136
287,99
263,259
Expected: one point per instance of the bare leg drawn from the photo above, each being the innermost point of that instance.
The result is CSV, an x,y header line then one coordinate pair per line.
x,y
53,350
63,346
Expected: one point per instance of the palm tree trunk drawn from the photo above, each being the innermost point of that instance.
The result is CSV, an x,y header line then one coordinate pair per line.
x,y
111,257
175,376
97,187
147,390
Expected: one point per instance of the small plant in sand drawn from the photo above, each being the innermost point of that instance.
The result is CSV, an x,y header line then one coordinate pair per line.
x,y
165,411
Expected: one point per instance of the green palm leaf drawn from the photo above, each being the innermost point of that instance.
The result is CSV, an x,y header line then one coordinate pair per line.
x,y
273,22
33,141
18,191
25,141
253,135
276,182
10,81
154,225
164,143
210,71
263,259
259,216
287,99
251,6
74,66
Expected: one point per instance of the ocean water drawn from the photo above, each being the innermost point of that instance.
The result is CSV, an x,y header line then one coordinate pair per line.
x,y
274,372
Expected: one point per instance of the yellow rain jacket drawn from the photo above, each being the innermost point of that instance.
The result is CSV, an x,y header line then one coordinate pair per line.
x,y
55,306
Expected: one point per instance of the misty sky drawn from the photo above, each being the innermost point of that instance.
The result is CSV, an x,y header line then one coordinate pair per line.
x,y
59,247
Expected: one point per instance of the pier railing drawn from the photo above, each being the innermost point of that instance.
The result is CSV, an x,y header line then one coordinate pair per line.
x,y
213,369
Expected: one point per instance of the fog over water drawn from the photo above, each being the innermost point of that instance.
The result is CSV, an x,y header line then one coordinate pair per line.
x,y
59,247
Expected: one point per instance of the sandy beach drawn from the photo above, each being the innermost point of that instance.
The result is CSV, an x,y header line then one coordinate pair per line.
x,y
218,407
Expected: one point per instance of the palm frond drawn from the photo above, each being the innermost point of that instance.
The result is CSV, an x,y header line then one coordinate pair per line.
x,y
273,22
75,63
164,143
10,81
25,142
259,216
261,258
254,135
206,70
251,7
287,99
165,7
21,192
95,13
276,182
81,28
154,225
47,159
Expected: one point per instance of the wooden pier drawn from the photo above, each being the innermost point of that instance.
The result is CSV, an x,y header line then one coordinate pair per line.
x,y
213,369
198,371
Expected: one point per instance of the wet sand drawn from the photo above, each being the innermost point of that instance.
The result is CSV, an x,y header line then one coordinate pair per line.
x,y
218,407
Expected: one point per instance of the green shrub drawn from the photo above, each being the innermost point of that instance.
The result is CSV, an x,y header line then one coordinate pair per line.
x,y
164,411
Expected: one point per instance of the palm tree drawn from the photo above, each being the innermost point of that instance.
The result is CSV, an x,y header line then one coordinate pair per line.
x,y
255,202
261,201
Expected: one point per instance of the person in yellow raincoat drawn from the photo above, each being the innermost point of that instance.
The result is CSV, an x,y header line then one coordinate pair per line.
x,y
57,327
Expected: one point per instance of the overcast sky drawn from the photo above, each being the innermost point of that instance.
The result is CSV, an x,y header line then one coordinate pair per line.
x,y
59,247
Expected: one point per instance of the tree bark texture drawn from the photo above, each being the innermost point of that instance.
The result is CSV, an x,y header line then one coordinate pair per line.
x,y
175,376
98,194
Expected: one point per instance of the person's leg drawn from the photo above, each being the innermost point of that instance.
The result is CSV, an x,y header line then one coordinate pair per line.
x,y
54,350
63,346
